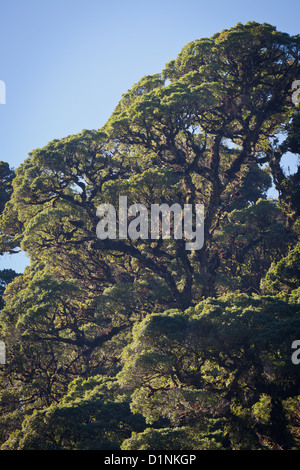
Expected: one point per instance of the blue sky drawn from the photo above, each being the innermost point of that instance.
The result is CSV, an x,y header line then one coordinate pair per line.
x,y
66,63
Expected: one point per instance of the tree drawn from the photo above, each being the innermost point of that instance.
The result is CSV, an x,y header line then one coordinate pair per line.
x,y
207,118
287,185
210,113
201,132
6,178
227,359
170,439
249,242
283,276
93,415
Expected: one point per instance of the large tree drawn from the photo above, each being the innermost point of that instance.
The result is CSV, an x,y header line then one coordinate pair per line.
x,y
204,131
195,129
210,114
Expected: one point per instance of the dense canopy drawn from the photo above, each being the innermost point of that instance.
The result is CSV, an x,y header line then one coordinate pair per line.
x,y
140,343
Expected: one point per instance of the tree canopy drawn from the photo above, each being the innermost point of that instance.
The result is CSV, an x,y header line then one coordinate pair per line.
x,y
140,343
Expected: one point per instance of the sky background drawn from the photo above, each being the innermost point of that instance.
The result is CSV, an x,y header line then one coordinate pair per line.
x,y
66,63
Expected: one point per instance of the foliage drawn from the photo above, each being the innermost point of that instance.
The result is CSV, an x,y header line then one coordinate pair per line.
x,y
226,357
182,438
140,343
90,416
284,275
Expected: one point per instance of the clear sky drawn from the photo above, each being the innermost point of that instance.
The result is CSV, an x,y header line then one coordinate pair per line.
x,y
66,63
